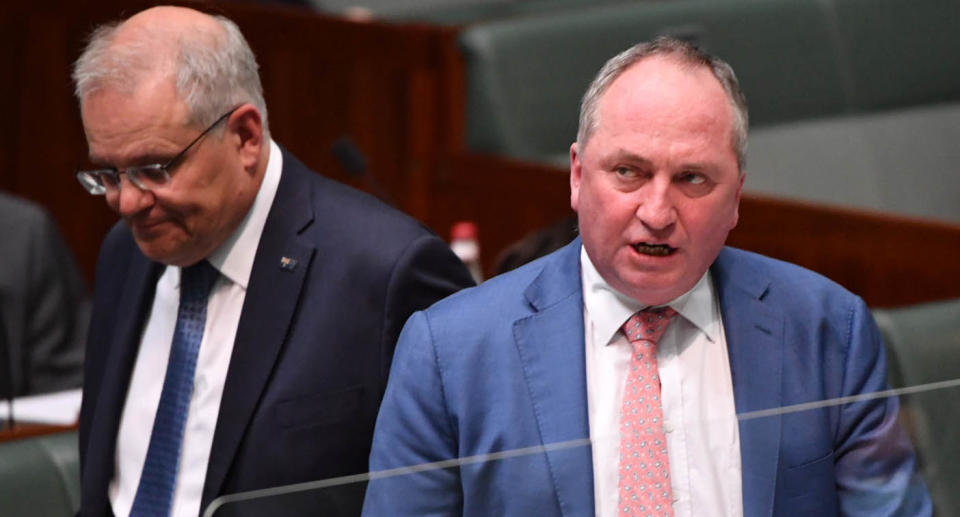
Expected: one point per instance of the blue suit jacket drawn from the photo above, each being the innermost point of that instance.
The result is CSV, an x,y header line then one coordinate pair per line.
x,y
501,367
313,346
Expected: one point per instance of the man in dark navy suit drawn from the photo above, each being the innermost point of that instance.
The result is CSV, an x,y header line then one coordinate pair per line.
x,y
275,375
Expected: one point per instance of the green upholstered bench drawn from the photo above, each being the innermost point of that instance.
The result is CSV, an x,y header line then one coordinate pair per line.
x,y
923,346
901,161
852,102
796,60
900,53
40,476
525,76
476,11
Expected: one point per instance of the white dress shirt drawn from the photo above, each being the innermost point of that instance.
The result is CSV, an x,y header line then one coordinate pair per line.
x,y
699,417
234,260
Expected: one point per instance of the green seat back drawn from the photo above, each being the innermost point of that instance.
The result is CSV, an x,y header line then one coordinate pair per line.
x,y
923,346
525,76
463,13
901,52
40,476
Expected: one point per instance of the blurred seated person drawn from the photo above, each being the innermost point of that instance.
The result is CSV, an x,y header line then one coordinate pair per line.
x,y
536,244
43,303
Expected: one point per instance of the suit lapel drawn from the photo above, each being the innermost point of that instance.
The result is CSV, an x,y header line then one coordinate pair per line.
x,y
754,333
268,308
551,347
132,310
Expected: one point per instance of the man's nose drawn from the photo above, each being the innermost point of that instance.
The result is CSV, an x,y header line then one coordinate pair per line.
x,y
656,209
129,199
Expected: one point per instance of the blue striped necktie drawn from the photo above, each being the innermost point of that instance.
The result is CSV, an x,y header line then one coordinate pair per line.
x,y
155,492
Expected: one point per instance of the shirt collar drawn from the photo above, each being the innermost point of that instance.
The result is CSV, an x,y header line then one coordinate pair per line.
x,y
234,258
609,308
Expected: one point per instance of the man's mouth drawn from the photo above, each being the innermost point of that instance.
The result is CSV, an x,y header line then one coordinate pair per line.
x,y
657,250
144,226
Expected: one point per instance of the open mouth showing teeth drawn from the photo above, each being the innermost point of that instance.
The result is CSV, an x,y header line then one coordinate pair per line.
x,y
657,250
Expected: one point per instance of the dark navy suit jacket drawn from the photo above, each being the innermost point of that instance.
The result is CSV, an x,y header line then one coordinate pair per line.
x,y
313,346
501,368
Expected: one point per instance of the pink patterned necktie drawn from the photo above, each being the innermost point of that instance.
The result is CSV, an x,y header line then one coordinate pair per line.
x,y
644,481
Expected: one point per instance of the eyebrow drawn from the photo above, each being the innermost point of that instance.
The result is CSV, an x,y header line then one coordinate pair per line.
x,y
92,156
152,157
621,155
699,166
98,162
148,158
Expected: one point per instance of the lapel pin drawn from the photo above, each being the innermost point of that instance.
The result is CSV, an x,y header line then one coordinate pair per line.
x,y
288,264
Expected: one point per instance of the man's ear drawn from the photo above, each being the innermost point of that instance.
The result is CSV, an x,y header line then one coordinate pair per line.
x,y
246,127
736,208
576,170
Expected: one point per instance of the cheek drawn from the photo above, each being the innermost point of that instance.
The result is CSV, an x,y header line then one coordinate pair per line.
x,y
605,211
113,200
185,209
711,224
605,224
731,213
617,212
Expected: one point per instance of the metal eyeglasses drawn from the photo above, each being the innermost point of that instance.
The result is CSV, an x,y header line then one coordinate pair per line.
x,y
146,177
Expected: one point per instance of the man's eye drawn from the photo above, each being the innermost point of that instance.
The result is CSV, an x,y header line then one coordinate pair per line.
x,y
692,178
624,171
151,172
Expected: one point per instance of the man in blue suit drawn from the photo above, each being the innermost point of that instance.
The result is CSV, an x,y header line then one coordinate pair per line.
x,y
309,283
541,380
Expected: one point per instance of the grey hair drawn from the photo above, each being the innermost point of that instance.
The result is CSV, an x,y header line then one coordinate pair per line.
x,y
213,72
687,53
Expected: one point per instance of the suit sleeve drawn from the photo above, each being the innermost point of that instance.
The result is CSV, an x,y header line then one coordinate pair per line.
x,y
414,431
426,272
875,464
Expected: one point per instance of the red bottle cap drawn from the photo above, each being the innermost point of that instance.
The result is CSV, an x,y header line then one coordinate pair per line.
x,y
463,230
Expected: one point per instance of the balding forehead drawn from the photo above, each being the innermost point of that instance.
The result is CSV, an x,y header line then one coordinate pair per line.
x,y
174,19
166,28
147,46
